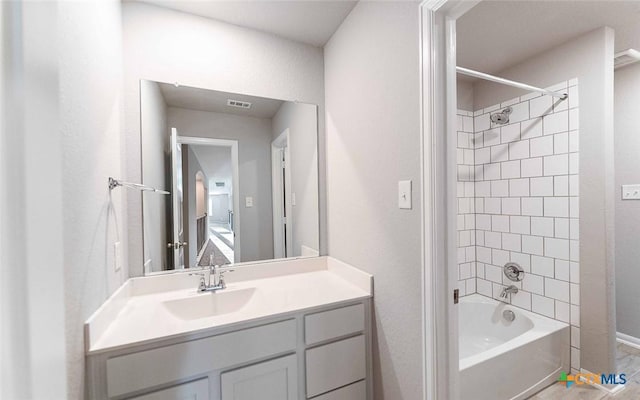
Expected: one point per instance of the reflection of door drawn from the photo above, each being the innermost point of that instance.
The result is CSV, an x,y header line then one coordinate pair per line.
x,y
177,196
281,194
220,208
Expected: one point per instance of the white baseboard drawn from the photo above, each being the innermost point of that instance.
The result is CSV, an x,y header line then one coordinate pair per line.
x,y
628,340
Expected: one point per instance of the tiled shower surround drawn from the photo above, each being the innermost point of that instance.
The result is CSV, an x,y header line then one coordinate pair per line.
x,y
518,201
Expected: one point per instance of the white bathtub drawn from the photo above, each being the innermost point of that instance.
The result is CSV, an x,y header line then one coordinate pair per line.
x,y
502,360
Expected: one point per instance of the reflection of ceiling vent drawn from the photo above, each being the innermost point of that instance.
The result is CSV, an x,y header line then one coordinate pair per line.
x,y
626,57
219,184
238,103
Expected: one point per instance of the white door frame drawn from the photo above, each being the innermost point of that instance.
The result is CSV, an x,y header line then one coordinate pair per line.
x,y
235,185
176,206
438,158
279,239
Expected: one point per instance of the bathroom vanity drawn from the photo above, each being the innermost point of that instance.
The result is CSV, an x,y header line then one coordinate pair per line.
x,y
284,330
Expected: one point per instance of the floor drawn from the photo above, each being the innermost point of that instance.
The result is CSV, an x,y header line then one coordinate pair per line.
x,y
218,230
223,231
628,362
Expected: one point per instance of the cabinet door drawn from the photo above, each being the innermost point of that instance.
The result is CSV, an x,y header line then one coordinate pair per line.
x,y
270,380
196,390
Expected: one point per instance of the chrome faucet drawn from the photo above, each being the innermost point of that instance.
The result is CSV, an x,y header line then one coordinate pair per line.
x,y
508,290
218,278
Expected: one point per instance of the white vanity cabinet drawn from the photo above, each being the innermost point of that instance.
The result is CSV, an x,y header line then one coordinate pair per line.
x,y
196,390
322,353
269,380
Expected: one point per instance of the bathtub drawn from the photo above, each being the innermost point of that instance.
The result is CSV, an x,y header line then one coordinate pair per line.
x,y
502,360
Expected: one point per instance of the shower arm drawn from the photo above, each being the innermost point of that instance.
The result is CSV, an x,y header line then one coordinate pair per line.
x,y
482,75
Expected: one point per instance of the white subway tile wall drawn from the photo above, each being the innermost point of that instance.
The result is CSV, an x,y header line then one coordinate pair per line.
x,y
525,202
466,203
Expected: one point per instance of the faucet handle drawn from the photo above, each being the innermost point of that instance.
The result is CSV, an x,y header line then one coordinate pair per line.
x,y
222,277
202,285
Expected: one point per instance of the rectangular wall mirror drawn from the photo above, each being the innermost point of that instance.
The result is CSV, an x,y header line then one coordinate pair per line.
x,y
242,173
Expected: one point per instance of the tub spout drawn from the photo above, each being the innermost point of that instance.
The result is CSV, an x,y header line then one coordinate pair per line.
x,y
508,290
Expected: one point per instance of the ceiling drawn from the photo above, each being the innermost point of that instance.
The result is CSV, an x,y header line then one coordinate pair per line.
x,y
307,21
215,101
495,35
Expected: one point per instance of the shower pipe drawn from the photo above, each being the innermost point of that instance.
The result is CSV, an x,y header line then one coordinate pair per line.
x,y
482,75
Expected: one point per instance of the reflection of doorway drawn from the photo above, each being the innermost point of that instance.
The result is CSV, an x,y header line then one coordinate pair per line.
x,y
220,208
202,221
282,200
219,221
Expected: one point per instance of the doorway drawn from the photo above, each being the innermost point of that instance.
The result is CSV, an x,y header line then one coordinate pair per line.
x,y
215,235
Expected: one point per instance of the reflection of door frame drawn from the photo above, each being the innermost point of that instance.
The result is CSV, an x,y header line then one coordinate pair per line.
x,y
282,244
176,205
235,185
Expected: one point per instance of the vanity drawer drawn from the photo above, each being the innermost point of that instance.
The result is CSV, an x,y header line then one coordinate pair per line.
x,y
149,368
334,323
355,391
335,365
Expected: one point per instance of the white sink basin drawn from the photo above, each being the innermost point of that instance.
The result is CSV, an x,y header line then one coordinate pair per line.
x,y
210,304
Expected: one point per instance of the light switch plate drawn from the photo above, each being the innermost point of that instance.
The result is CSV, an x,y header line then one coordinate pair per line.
x,y
630,192
404,194
248,201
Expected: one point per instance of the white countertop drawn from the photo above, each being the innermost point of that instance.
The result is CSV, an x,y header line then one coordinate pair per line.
x,y
137,313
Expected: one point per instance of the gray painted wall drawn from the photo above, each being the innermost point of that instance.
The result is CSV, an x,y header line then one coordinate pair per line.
x,y
209,54
465,94
590,59
155,142
627,149
373,141
90,99
254,153
302,121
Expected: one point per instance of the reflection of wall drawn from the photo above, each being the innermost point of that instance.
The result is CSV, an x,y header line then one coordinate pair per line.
x,y
201,193
303,141
590,59
216,161
209,54
191,167
155,142
627,148
254,153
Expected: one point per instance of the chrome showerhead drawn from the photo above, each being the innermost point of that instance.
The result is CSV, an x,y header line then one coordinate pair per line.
x,y
501,117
